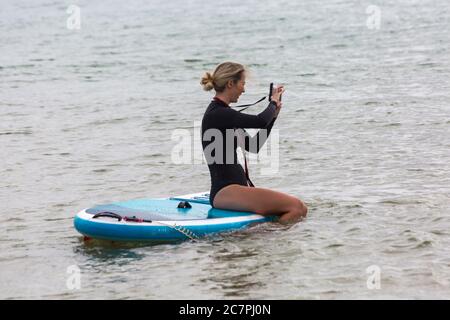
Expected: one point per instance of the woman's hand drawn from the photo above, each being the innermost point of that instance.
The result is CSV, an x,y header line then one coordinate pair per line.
x,y
276,97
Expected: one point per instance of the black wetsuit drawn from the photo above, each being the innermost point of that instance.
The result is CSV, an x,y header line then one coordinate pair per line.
x,y
219,116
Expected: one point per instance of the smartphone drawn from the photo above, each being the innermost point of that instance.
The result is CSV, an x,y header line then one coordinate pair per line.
x,y
270,91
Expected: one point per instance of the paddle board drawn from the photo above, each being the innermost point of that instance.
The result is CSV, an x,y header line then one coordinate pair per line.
x,y
167,219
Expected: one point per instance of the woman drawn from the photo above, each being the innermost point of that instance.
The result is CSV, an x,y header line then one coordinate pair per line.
x,y
231,188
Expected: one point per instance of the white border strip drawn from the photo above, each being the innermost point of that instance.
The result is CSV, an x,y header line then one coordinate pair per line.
x,y
203,222
192,195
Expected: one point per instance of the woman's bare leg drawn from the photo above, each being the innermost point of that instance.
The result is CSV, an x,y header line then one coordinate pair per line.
x,y
262,201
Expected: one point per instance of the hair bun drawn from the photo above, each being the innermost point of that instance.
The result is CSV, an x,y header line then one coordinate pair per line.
x,y
207,81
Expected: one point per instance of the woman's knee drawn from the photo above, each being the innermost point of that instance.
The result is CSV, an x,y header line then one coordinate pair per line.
x,y
291,204
300,208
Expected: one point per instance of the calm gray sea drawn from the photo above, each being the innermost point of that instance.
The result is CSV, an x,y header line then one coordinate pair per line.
x,y
86,117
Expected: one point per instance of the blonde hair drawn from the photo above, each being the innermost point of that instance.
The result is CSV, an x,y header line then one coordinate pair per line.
x,y
223,73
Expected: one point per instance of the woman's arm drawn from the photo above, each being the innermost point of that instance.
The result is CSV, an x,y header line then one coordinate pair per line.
x,y
255,143
261,120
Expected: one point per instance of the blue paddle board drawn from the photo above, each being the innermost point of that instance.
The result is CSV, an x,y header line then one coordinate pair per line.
x,y
169,219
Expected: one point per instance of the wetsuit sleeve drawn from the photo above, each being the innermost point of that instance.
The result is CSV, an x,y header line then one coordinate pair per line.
x,y
261,120
255,143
